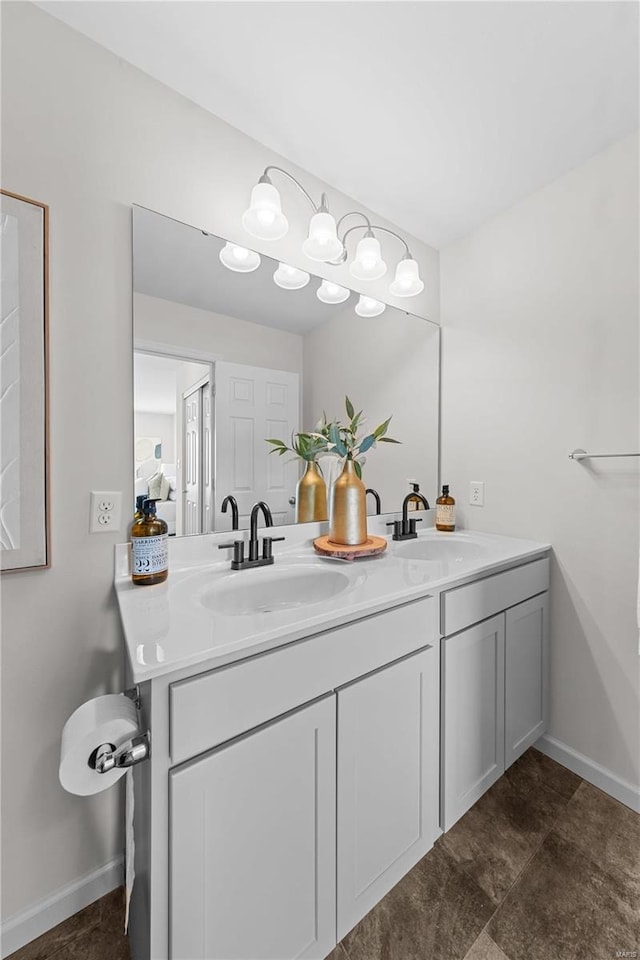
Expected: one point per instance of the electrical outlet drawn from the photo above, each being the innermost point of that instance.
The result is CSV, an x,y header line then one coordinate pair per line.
x,y
476,493
106,512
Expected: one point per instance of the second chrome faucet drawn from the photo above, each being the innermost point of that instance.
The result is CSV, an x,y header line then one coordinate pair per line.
x,y
405,529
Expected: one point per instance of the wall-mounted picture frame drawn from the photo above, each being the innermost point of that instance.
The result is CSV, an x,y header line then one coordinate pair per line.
x,y
25,517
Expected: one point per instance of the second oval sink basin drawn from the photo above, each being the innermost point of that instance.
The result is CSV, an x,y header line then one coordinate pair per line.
x,y
446,548
261,591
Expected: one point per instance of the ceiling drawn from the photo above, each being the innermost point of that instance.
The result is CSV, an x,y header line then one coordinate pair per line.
x,y
437,115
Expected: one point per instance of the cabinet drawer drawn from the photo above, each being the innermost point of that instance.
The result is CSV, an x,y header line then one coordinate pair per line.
x,y
214,707
476,601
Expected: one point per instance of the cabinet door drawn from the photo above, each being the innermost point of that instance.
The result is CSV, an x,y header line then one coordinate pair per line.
x,y
526,676
253,844
472,756
387,780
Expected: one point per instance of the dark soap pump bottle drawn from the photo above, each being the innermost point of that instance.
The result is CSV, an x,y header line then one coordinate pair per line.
x,y
445,511
149,547
415,503
138,514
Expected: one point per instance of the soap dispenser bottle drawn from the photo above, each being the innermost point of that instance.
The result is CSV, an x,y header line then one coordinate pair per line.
x,y
415,503
445,511
149,547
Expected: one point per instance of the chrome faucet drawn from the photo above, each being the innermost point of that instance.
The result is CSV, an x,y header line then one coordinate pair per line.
x,y
231,501
253,527
376,497
405,529
239,561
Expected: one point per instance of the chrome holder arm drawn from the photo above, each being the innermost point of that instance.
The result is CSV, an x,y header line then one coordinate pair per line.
x,y
106,758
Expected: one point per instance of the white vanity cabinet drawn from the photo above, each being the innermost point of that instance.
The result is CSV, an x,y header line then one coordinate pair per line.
x,y
494,680
287,792
253,844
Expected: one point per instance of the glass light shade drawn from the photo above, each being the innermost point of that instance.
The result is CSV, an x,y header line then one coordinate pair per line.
x,y
368,264
264,218
407,281
322,243
368,307
330,292
238,258
290,278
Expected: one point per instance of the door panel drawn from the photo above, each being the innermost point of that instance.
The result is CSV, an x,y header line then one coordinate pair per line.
x,y
526,676
473,712
252,404
191,511
388,789
253,844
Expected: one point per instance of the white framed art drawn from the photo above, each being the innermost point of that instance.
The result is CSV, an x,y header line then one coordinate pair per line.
x,y
24,387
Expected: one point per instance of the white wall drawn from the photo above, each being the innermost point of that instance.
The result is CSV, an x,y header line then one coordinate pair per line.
x,y
90,135
227,338
388,365
162,425
540,356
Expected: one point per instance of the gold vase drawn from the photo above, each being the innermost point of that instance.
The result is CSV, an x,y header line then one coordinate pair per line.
x,y
347,512
311,495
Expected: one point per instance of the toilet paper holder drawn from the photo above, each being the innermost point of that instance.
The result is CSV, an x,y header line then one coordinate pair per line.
x,y
106,757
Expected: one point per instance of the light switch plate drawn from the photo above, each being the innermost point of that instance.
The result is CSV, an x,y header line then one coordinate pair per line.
x,y
105,511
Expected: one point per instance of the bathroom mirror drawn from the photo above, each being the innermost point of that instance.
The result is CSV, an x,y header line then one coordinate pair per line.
x,y
225,358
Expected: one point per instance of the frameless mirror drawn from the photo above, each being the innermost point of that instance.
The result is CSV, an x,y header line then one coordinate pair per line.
x,y
225,358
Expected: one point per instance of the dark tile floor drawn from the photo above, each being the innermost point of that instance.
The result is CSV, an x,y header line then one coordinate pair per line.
x,y
543,867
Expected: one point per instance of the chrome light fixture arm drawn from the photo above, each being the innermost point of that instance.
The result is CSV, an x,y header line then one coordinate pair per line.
x,y
369,229
265,178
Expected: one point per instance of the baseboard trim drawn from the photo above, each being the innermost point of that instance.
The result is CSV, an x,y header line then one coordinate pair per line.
x,y
24,927
588,769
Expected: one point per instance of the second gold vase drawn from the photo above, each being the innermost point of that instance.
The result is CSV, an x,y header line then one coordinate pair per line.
x,y
347,508
311,495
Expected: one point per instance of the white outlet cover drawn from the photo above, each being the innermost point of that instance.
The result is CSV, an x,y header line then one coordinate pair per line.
x,y
476,493
105,514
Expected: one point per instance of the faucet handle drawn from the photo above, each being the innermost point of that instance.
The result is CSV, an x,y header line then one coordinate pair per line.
x,y
238,550
412,523
267,552
397,526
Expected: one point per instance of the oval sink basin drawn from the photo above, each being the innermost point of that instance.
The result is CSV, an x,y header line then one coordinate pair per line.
x,y
447,548
261,591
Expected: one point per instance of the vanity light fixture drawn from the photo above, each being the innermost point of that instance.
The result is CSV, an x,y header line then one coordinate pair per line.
x,y
290,278
239,258
368,307
368,264
407,282
330,292
322,244
264,219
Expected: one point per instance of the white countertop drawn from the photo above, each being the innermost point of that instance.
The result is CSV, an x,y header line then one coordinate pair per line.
x,y
178,624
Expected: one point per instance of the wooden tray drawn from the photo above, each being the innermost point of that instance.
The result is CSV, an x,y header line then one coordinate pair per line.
x,y
370,548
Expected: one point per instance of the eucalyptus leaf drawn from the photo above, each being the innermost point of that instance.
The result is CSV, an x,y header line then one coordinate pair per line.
x,y
367,443
388,440
349,407
382,429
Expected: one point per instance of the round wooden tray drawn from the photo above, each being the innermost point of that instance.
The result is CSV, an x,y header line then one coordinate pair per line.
x,y
370,548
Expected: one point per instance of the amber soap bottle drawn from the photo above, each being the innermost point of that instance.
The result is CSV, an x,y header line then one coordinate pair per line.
x,y
445,511
149,547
